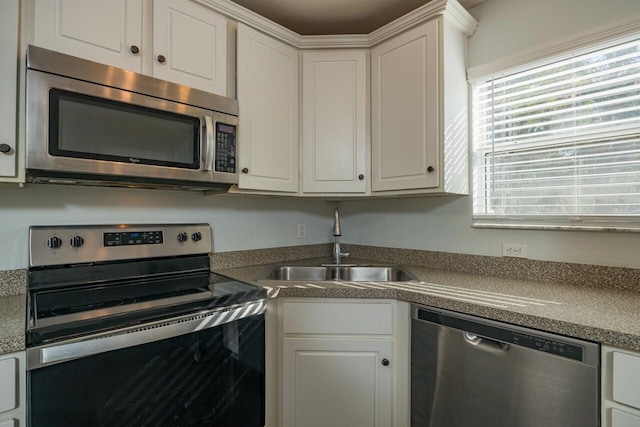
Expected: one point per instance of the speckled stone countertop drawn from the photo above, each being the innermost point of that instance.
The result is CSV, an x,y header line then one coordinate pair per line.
x,y
605,315
12,310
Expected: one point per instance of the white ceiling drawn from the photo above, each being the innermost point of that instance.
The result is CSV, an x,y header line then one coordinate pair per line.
x,y
309,17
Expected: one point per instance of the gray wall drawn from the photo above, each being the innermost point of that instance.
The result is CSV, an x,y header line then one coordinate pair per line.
x,y
508,29
238,223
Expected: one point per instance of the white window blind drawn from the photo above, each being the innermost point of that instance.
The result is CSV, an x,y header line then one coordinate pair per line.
x,y
560,141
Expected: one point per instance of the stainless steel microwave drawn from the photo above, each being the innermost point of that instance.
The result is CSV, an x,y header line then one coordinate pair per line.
x,y
93,124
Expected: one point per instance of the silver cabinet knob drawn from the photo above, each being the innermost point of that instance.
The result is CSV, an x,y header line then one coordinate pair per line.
x,y
5,148
162,59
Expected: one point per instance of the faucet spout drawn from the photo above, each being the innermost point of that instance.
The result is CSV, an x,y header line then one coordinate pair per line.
x,y
336,223
337,254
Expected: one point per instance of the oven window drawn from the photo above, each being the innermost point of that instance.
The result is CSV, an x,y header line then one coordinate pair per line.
x,y
214,377
94,128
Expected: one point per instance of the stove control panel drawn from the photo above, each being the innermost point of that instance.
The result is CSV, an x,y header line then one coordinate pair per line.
x,y
133,238
58,245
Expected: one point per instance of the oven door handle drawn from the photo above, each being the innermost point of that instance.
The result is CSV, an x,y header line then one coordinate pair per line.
x,y
39,357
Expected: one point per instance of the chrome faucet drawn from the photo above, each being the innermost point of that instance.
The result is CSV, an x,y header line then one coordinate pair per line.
x,y
336,239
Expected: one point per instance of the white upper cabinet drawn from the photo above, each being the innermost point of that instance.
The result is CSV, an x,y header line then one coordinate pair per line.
x,y
9,24
405,112
268,125
420,111
188,42
189,45
102,31
334,121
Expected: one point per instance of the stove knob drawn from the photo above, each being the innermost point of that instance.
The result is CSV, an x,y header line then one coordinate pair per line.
x,y
183,237
54,242
197,236
76,242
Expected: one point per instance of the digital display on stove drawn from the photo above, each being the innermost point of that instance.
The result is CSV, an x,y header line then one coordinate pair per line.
x,y
128,238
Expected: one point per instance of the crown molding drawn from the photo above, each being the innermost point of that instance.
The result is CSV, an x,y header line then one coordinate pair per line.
x,y
450,8
334,41
462,19
258,22
429,10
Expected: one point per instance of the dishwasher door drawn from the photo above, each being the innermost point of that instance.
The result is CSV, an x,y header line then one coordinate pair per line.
x,y
472,372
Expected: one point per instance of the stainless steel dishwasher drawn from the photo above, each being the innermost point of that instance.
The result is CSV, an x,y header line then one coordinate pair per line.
x,y
473,372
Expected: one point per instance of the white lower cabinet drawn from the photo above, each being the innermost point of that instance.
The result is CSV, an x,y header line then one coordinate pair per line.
x,y
620,387
12,390
345,363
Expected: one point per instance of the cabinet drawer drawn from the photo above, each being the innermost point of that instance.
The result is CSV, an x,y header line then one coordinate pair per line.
x,y
7,385
337,318
626,379
622,419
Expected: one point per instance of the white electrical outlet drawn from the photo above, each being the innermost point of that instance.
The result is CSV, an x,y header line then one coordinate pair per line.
x,y
302,231
517,250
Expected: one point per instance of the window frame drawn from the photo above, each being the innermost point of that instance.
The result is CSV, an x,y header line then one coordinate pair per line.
x,y
537,221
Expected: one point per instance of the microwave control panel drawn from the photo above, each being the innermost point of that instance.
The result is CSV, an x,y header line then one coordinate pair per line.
x,y
225,148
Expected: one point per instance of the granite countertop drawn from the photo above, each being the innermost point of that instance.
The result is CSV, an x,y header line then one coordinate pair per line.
x,y
605,315
608,316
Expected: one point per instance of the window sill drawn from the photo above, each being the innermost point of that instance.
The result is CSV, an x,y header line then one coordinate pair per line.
x,y
564,225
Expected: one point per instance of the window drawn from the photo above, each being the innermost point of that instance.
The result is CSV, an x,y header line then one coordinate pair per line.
x,y
560,142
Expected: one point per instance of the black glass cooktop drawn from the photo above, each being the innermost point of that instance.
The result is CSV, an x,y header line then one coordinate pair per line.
x,y
70,308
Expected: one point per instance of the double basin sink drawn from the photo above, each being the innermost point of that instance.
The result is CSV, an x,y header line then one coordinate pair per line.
x,y
344,272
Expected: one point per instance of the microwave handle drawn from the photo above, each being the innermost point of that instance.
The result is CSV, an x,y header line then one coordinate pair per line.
x,y
208,144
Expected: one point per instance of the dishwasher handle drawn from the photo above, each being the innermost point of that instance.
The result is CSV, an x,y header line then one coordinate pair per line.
x,y
486,344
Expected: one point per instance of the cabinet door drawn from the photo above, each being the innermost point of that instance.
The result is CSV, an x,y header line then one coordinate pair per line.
x,y
626,379
334,125
268,124
190,45
337,382
406,110
98,30
623,419
9,20
8,385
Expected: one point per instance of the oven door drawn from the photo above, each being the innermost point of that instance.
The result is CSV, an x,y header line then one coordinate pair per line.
x,y
205,369
77,127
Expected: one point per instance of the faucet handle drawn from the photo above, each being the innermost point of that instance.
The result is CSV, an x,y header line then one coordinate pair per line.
x,y
345,254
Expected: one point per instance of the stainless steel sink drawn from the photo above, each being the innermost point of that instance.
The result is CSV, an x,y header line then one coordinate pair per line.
x,y
375,274
297,273
346,273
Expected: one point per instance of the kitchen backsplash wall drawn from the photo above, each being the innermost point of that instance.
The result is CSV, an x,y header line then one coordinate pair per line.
x,y
443,224
238,223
